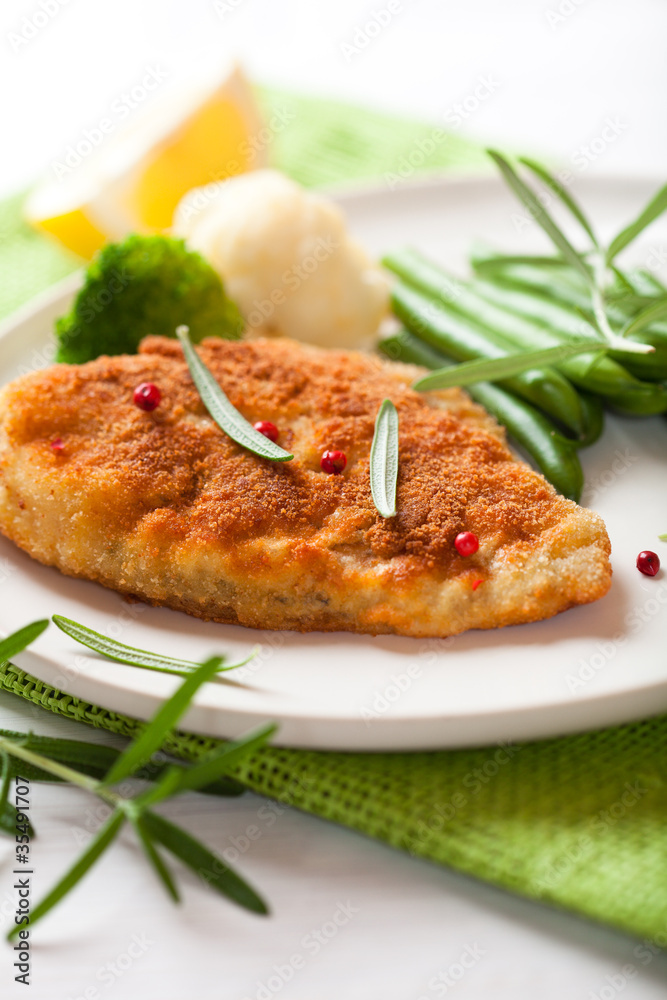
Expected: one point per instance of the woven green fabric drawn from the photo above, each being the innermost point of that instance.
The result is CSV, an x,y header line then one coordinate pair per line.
x,y
579,822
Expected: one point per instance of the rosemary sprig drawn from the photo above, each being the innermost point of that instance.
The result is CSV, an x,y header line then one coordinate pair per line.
x,y
100,769
595,267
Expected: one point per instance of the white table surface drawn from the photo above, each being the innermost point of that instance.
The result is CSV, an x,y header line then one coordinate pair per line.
x,y
562,69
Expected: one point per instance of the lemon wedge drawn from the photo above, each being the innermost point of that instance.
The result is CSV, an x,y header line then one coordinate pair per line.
x,y
125,176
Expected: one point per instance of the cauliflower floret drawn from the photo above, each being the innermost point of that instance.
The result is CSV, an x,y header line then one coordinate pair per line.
x,y
286,259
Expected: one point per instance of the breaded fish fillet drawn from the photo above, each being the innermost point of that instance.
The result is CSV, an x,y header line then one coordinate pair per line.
x,y
166,507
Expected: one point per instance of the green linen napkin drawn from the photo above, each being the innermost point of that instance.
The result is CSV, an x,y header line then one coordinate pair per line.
x,y
578,822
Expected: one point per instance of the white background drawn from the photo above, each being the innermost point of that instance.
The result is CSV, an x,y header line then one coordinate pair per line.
x,y
559,78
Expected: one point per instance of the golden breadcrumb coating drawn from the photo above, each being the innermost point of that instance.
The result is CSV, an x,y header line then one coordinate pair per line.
x,y
165,507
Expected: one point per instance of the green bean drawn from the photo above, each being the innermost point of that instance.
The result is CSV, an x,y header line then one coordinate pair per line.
x,y
553,454
633,404
593,420
648,367
464,341
605,377
646,288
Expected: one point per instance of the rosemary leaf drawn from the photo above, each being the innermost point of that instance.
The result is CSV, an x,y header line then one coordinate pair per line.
x,y
384,460
226,416
153,856
655,207
499,368
121,653
17,641
7,810
540,214
651,314
5,778
8,821
91,758
561,193
212,869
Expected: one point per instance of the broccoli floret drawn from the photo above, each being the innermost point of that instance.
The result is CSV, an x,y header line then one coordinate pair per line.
x,y
144,285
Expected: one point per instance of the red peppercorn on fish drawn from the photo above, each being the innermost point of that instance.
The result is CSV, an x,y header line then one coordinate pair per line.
x,y
162,505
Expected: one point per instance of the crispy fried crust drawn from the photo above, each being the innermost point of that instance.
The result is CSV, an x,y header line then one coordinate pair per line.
x,y
164,506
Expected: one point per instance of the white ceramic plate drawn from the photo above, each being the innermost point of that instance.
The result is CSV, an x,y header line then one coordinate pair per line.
x,y
589,667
